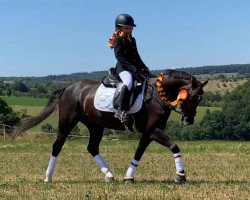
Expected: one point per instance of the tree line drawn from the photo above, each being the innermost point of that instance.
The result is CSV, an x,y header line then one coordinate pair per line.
x,y
42,87
233,68
98,75
232,123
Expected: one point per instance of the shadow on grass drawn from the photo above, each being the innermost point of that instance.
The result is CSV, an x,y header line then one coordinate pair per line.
x,y
144,182
192,182
198,182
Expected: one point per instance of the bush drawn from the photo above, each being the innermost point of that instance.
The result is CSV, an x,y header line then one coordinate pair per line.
x,y
48,128
7,115
127,135
173,129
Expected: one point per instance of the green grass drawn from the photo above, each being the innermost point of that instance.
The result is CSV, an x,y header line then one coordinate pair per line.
x,y
34,106
35,110
53,118
215,171
25,101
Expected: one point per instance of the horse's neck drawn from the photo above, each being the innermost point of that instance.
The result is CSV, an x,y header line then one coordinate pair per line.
x,y
172,87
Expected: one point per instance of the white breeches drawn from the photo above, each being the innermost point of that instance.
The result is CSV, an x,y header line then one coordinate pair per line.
x,y
127,79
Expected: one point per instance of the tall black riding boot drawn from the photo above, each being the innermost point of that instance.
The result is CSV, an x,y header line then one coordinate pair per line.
x,y
121,103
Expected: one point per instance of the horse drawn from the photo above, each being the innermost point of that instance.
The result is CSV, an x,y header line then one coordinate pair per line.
x,y
164,93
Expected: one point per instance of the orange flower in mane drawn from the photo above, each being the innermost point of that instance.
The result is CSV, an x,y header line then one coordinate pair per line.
x,y
116,34
112,39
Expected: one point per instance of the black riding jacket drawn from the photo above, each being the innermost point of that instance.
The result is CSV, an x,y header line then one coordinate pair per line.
x,y
128,58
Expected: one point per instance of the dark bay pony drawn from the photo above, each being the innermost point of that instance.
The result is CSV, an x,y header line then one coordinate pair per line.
x,y
162,94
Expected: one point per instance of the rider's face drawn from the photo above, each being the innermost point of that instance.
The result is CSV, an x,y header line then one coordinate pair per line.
x,y
127,29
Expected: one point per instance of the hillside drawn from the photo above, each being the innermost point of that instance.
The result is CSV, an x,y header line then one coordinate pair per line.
x,y
98,75
222,79
221,87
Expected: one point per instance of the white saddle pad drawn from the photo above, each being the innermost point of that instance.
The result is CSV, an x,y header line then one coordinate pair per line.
x,y
104,99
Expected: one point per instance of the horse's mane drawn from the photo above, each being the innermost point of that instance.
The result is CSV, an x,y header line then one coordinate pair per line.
x,y
179,74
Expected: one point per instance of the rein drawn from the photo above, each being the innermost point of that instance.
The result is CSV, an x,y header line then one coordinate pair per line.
x,y
182,95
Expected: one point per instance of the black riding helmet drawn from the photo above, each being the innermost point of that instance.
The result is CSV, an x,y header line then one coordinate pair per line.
x,y
124,20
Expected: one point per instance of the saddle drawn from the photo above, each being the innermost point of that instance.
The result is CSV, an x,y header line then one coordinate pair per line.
x,y
112,79
104,95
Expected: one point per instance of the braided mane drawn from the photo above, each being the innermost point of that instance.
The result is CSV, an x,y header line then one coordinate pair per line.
x,y
179,75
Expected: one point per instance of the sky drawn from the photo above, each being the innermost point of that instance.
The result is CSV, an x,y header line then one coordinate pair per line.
x,y
52,37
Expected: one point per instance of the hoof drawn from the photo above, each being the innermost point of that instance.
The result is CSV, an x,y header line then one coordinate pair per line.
x,y
129,180
180,177
48,179
109,179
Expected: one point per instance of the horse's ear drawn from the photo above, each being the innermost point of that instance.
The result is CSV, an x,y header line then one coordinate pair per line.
x,y
203,83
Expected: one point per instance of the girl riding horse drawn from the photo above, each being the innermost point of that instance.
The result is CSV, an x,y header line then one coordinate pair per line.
x,y
76,104
129,62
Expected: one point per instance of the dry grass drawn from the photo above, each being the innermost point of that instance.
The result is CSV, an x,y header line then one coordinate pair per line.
x,y
216,170
217,86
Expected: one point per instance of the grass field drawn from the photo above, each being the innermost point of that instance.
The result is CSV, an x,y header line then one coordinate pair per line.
x,y
221,87
215,170
53,119
25,101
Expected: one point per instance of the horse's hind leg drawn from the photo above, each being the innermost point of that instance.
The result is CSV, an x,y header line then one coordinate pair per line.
x,y
96,133
66,124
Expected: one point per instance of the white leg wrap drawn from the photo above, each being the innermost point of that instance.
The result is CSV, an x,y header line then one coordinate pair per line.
x,y
50,169
102,164
132,168
178,162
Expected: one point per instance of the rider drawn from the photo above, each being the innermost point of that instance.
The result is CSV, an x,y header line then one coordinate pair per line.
x,y
129,64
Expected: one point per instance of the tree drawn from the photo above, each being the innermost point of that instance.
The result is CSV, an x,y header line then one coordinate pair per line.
x,y
21,87
7,115
232,123
8,92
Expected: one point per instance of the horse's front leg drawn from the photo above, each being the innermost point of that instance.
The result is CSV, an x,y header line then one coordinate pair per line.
x,y
164,140
143,144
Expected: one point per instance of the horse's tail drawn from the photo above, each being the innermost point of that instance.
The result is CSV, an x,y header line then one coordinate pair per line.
x,y
33,121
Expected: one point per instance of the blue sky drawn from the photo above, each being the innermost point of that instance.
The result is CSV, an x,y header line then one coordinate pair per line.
x,y
44,37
